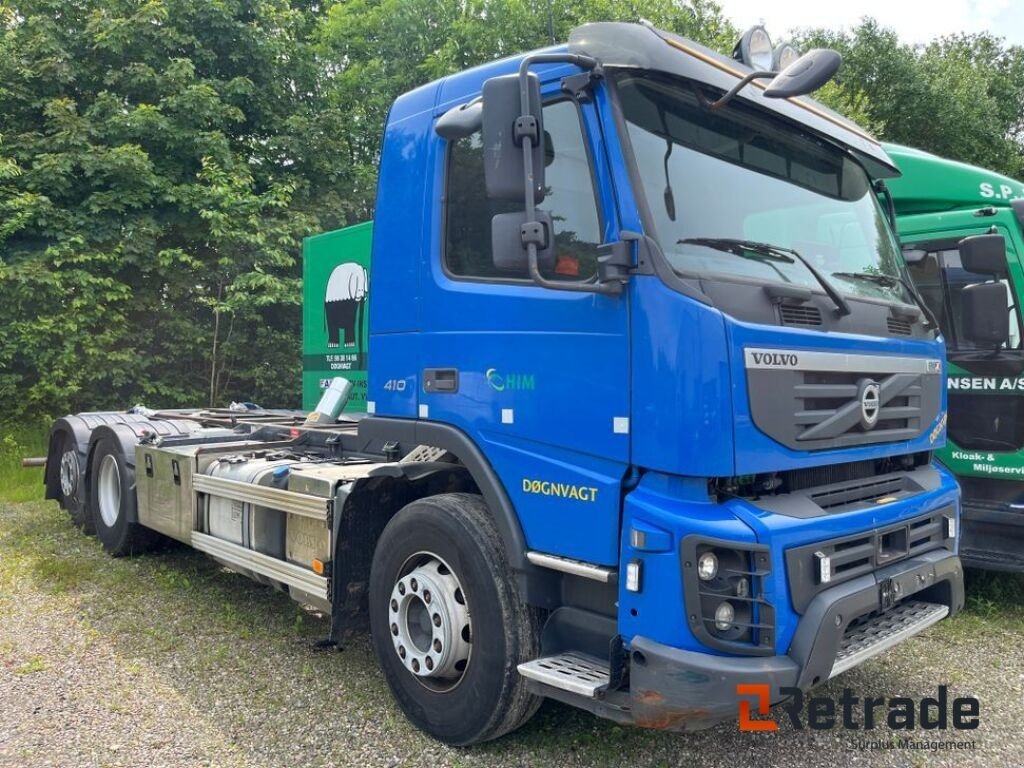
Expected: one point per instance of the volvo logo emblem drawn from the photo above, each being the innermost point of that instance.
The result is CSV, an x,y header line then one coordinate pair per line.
x,y
870,403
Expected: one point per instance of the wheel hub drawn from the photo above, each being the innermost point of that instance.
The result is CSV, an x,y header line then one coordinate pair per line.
x,y
429,622
70,473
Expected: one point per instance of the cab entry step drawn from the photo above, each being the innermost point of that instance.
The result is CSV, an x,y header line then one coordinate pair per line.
x,y
862,641
573,672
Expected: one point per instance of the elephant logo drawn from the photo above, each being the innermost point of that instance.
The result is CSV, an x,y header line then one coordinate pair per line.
x,y
345,304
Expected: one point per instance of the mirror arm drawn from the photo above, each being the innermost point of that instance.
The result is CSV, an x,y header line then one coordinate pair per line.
x,y
526,130
727,97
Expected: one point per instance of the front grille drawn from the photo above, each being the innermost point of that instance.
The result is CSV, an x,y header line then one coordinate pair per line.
x,y
898,327
986,422
815,400
829,407
799,314
853,556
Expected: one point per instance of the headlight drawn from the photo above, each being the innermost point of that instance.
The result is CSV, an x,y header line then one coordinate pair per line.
x,y
725,614
724,589
707,566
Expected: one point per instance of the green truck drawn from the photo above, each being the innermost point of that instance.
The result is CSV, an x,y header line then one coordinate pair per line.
x,y
937,203
335,302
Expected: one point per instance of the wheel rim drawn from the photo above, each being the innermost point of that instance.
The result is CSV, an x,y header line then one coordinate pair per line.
x,y
70,473
109,490
429,621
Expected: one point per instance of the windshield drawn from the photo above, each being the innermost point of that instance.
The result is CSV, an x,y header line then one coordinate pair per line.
x,y
716,180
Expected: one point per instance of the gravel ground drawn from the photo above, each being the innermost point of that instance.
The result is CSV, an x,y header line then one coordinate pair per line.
x,y
169,660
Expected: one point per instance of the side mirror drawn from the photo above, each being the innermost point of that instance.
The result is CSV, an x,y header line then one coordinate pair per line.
x,y
806,74
503,145
985,311
984,255
507,249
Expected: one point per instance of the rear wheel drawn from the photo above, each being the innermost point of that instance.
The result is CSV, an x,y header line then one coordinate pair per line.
x,y
73,496
113,502
448,626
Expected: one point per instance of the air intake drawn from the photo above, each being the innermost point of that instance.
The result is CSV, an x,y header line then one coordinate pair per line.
x,y
799,314
898,327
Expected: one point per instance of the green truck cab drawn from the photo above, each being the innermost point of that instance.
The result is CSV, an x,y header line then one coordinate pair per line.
x,y
938,202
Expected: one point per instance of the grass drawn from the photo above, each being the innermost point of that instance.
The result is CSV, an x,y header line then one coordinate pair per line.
x,y
18,442
229,646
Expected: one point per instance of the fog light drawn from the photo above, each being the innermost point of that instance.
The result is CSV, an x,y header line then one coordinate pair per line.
x,y
724,615
951,527
707,566
824,567
633,576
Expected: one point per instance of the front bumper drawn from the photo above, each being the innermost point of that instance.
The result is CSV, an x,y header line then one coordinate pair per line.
x,y
675,689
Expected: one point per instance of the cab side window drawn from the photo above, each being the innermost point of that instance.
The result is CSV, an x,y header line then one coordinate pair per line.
x,y
570,200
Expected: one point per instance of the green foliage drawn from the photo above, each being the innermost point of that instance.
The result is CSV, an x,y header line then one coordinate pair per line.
x,y
18,483
154,189
160,161
960,96
382,48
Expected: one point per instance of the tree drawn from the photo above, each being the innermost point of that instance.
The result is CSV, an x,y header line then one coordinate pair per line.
x,y
157,173
960,96
378,49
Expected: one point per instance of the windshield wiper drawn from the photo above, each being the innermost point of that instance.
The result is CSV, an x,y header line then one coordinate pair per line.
x,y
734,246
892,280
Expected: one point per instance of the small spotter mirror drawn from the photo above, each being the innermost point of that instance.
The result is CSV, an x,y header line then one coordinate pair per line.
x,y
806,74
984,255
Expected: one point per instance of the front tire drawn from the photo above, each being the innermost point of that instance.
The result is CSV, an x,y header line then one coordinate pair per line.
x,y
113,502
448,625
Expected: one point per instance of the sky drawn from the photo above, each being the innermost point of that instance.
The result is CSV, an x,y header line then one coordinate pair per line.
x,y
915,21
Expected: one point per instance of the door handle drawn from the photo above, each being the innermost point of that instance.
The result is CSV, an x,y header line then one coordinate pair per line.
x,y
441,380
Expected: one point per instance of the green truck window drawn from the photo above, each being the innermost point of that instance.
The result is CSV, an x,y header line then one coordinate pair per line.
x,y
570,200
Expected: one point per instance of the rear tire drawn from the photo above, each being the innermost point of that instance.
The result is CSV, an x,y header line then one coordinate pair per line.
x,y
73,495
113,502
458,679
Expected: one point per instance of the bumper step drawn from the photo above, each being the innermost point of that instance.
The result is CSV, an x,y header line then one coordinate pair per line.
x,y
573,672
882,632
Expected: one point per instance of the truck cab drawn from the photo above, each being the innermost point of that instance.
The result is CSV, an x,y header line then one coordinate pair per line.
x,y
938,203
650,405
753,401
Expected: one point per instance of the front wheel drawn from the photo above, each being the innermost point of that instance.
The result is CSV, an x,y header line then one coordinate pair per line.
x,y
448,626
113,502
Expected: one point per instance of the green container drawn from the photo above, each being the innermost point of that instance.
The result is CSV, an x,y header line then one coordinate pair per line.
x,y
335,320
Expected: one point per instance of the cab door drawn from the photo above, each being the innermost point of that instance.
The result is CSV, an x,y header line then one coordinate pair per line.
x,y
538,378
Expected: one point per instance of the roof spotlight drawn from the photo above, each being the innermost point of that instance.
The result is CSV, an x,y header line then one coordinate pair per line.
x,y
755,49
785,54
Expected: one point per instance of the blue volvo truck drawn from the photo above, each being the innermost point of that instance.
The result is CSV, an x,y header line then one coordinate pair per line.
x,y
651,405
